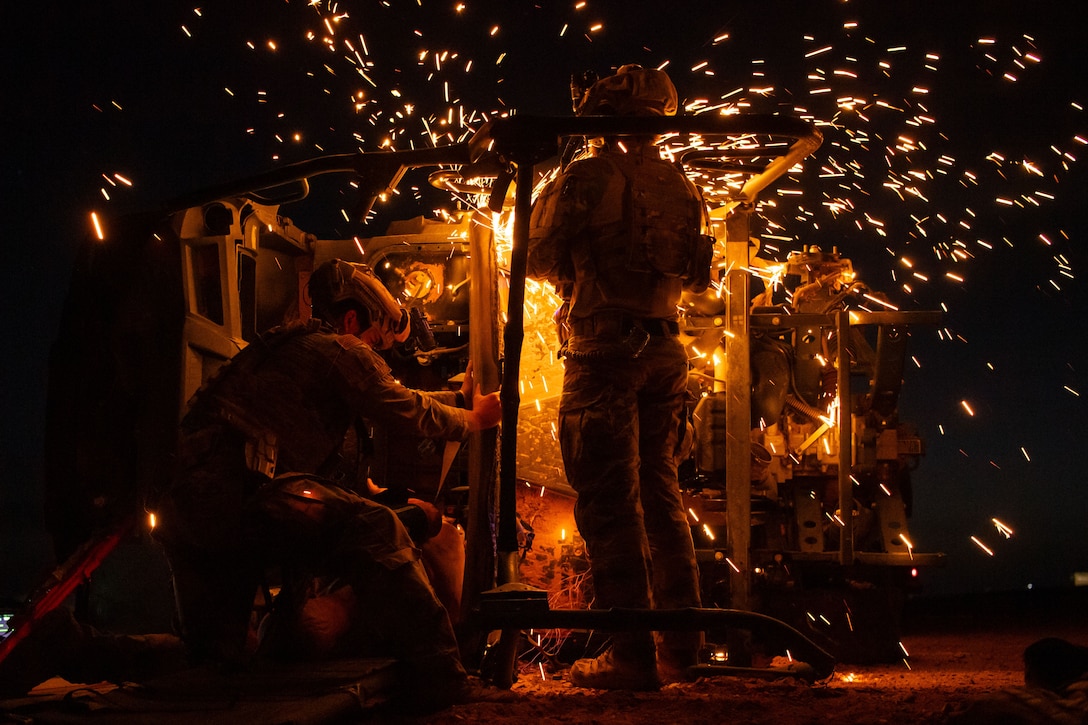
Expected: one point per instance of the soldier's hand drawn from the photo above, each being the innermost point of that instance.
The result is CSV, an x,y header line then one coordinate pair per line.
x,y
486,411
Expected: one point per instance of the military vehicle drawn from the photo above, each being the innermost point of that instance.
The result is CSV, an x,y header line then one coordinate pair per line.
x,y
798,473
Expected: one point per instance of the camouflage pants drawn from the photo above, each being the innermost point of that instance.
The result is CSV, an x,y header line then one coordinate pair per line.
x,y
298,524
620,422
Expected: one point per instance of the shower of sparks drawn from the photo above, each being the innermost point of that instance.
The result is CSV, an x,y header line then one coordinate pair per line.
x,y
891,173
869,132
1002,528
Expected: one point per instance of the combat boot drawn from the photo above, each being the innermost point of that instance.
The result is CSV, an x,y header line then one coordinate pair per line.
x,y
610,672
677,653
675,665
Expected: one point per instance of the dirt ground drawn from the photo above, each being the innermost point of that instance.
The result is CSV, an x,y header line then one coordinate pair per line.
x,y
959,651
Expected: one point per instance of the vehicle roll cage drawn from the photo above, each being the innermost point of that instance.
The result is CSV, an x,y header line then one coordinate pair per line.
x,y
758,148
749,152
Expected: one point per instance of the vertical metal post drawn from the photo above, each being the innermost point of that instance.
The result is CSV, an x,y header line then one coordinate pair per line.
x,y
846,447
513,337
738,409
483,460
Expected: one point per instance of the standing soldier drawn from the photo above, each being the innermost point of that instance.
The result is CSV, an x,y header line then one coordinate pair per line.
x,y
619,234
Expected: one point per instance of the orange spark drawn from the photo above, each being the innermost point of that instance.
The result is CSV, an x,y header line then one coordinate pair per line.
x,y
982,546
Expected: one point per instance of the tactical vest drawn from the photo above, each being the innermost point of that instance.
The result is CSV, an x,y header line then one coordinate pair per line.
x,y
641,243
281,394
665,214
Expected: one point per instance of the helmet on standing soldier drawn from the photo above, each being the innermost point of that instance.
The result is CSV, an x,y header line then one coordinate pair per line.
x,y
632,91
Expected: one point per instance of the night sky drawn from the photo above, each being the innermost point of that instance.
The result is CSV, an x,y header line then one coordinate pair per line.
x,y
952,173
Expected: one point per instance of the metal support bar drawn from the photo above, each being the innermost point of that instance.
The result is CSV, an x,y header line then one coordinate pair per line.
x,y
738,410
378,171
846,446
483,447
515,615
857,317
513,337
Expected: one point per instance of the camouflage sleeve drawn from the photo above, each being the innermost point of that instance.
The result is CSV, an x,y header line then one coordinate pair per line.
x,y
561,212
376,395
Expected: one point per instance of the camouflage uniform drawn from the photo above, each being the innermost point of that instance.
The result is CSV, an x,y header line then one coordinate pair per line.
x,y
619,236
249,495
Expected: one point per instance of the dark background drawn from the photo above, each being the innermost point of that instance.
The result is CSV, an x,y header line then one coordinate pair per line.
x,y
139,90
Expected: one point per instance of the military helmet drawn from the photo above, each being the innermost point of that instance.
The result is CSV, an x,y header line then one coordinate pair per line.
x,y
336,282
632,91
